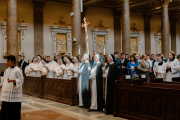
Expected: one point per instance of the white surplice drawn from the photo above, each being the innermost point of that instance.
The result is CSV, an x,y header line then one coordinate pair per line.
x,y
59,71
12,92
160,69
174,70
94,88
69,73
51,65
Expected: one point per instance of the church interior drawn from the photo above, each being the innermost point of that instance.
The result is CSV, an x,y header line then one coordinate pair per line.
x,y
57,27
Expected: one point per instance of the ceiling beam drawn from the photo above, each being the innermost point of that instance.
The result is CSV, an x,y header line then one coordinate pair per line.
x,y
159,9
91,2
140,3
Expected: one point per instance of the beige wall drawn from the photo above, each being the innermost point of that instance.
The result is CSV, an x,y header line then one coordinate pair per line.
x,y
52,12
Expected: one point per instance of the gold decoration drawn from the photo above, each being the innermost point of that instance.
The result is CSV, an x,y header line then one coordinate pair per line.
x,y
5,55
165,3
134,29
61,23
101,26
19,22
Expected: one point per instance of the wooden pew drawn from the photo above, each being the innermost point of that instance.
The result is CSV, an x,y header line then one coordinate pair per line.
x,y
176,79
127,79
143,77
59,90
151,101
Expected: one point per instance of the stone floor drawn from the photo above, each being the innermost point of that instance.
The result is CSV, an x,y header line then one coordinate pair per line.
x,y
40,109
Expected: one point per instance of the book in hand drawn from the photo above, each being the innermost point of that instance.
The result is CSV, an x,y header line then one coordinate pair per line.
x,y
70,69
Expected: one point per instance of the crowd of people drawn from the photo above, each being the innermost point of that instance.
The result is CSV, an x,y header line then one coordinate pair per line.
x,y
89,72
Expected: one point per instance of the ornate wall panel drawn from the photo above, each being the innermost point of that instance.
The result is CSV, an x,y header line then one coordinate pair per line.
x,y
21,38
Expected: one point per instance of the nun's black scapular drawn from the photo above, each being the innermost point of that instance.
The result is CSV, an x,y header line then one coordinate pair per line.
x,y
111,77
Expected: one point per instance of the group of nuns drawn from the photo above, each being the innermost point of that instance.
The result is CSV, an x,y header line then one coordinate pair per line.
x,y
90,78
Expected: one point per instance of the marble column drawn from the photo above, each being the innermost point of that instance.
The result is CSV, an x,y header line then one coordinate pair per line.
x,y
83,35
12,28
76,26
117,32
38,28
165,28
173,34
126,43
147,31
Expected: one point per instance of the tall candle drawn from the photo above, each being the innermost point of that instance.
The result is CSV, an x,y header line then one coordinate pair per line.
x,y
104,50
79,50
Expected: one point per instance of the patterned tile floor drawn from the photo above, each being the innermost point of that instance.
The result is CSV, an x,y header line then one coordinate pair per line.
x,y
40,109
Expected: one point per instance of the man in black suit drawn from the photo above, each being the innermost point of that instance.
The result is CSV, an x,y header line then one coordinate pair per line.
x,y
22,64
124,63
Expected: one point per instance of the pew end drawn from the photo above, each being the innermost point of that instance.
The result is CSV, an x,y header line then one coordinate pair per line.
x,y
176,79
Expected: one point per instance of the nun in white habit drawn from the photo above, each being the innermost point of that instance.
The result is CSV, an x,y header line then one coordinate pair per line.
x,y
83,84
43,70
68,70
76,66
96,77
58,71
32,68
172,67
38,67
51,66
27,69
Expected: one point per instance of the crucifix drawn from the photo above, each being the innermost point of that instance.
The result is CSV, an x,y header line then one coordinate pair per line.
x,y
134,25
101,22
85,25
61,18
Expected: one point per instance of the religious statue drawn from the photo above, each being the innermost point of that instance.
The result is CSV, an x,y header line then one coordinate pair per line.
x,y
134,48
61,45
100,46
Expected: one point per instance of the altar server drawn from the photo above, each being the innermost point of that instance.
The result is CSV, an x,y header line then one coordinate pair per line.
x,y
172,67
68,69
58,71
51,65
83,85
97,84
11,93
160,69
111,75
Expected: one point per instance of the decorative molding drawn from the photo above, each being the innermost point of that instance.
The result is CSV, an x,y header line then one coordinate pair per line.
x,y
21,31
165,3
134,29
55,29
61,23
135,34
157,42
99,32
101,26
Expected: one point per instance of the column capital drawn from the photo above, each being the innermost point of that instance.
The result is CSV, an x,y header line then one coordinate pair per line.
x,y
117,14
165,3
147,17
125,0
38,4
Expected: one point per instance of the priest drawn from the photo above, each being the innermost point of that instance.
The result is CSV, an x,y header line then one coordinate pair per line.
x,y
51,65
84,86
11,93
111,75
97,84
